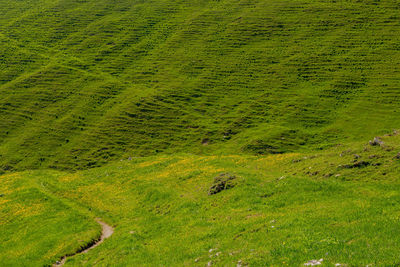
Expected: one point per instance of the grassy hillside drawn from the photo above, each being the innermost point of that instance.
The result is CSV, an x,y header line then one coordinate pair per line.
x,y
86,82
340,205
212,132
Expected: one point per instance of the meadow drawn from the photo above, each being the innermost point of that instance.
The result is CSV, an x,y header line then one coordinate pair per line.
x,y
135,111
339,205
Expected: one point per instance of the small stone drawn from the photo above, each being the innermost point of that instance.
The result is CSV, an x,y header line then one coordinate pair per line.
x,y
209,263
211,250
314,262
376,142
196,260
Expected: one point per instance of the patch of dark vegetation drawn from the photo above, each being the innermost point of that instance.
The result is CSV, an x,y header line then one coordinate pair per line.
x,y
205,141
222,182
280,142
262,147
313,173
358,164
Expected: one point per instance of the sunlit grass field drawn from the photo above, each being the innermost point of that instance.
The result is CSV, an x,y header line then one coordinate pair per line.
x,y
283,210
38,228
135,112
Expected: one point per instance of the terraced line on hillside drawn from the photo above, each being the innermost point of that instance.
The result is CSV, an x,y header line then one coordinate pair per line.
x,y
106,232
83,83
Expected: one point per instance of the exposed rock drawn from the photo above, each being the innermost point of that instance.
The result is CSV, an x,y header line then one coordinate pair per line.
x,y
314,262
222,182
376,142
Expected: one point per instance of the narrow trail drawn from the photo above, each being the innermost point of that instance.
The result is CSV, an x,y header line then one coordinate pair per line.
x,y
107,231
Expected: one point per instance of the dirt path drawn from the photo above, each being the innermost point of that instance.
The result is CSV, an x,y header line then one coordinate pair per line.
x,y
107,231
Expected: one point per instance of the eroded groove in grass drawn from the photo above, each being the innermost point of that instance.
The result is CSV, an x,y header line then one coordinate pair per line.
x,y
106,232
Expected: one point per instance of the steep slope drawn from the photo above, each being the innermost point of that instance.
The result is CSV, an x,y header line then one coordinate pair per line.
x,y
84,82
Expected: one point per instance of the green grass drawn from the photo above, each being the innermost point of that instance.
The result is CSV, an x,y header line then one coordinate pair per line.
x,y
37,228
282,94
83,83
284,209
